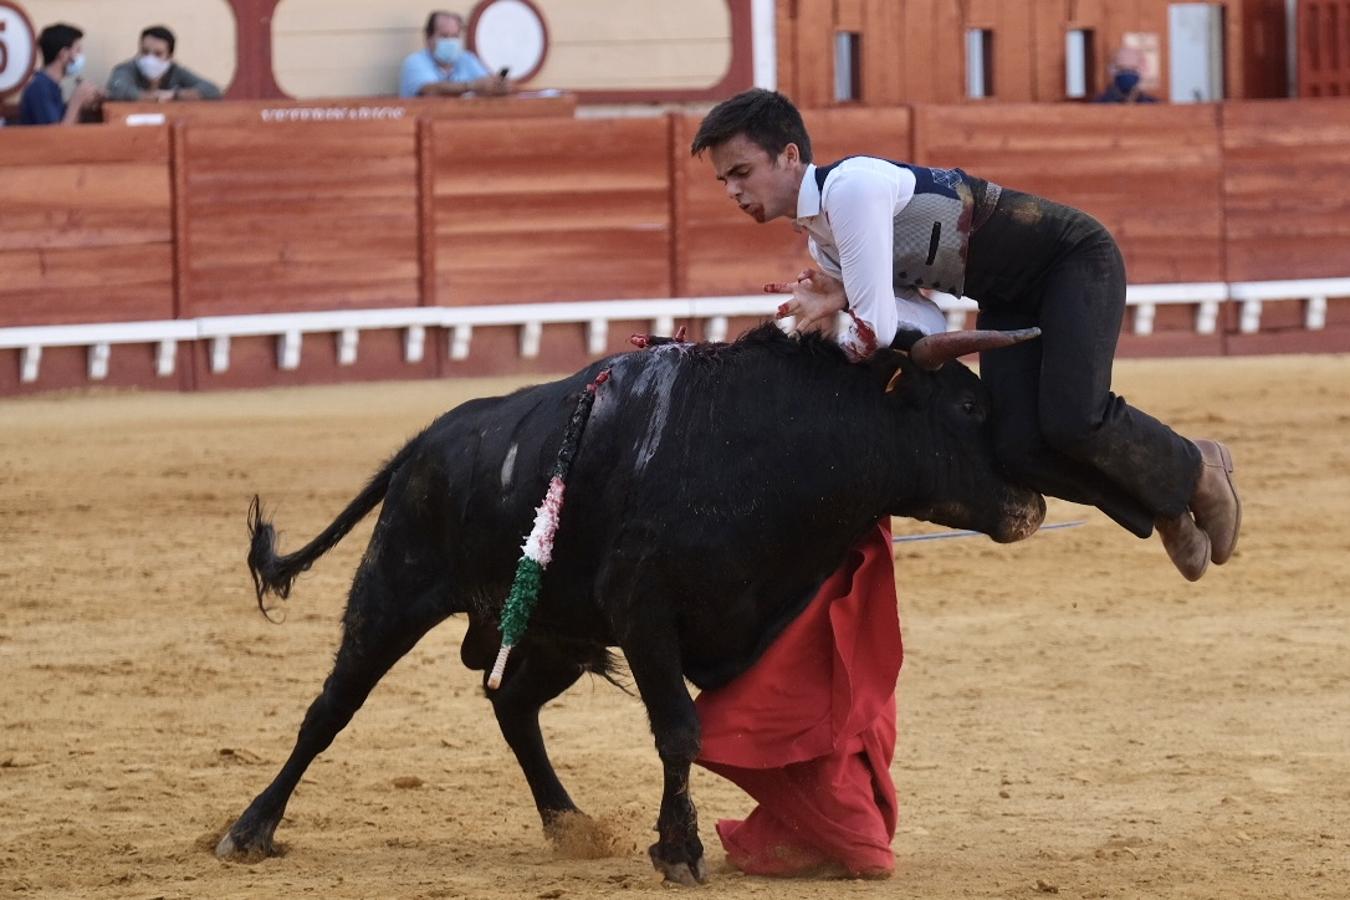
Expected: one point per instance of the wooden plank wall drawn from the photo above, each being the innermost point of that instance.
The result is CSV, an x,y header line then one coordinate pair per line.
x,y
1152,176
535,210
1287,189
302,216
85,226
1287,212
97,223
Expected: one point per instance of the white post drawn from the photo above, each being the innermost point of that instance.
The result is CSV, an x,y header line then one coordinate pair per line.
x,y
98,360
220,354
717,329
764,41
531,334
1143,318
1207,317
348,340
1315,314
597,336
288,350
459,341
166,357
414,343
29,362
1250,320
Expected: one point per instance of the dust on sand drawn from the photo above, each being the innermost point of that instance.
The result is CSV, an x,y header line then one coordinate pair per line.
x,y
1075,718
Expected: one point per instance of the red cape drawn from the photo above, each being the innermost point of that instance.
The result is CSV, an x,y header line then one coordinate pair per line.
x,y
809,730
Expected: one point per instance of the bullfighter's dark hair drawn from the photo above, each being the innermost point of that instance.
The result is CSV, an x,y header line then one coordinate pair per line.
x,y
430,28
162,33
55,38
767,118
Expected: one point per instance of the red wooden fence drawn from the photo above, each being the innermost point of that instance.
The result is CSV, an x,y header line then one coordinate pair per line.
x,y
85,226
111,223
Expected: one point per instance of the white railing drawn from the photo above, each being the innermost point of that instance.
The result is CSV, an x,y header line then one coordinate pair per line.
x,y
1207,296
1313,292
31,340
346,326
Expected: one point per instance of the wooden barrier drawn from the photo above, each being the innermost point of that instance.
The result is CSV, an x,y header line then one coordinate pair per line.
x,y
198,221
1286,205
533,210
85,225
528,104
301,216
313,216
1287,189
1150,175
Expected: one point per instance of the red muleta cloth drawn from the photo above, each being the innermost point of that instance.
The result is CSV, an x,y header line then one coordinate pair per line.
x,y
809,730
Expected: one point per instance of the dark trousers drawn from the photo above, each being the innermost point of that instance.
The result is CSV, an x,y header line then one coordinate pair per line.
x,y
1058,428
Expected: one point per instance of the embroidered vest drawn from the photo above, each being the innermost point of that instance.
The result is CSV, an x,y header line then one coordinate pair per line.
x,y
933,229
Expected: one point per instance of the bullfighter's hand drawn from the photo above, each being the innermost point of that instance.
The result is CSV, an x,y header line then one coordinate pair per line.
x,y
817,300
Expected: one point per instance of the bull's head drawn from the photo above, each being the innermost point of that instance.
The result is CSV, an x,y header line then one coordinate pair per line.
x,y
957,481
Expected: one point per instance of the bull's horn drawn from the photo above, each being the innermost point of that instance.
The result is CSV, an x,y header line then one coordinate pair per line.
x,y
931,351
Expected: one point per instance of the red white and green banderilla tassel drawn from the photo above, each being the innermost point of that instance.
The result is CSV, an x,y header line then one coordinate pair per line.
x,y
524,594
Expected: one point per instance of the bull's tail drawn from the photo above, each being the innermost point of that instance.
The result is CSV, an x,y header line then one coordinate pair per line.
x,y
273,574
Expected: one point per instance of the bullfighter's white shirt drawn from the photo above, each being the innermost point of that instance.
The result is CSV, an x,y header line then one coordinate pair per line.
x,y
849,223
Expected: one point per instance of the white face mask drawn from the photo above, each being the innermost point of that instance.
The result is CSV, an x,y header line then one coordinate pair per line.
x,y
75,67
152,67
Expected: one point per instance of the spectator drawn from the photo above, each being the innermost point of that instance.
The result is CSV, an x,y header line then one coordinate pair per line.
x,y
1125,77
62,56
444,68
153,74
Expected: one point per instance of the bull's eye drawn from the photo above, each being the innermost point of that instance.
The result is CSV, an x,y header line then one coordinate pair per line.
x,y
969,407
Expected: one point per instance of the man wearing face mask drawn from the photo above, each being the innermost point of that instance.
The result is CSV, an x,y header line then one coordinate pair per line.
x,y
1125,78
62,57
444,68
153,75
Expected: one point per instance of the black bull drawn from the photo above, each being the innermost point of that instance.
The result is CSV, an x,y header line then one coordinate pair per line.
x,y
715,489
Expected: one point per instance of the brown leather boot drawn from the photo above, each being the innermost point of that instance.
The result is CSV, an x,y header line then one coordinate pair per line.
x,y
1186,545
1216,505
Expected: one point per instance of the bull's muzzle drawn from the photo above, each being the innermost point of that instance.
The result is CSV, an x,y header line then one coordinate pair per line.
x,y
1021,518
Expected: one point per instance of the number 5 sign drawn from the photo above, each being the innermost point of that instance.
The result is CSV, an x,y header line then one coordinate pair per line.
x,y
18,48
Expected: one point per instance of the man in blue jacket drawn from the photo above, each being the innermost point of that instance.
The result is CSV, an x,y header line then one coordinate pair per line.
x,y
62,57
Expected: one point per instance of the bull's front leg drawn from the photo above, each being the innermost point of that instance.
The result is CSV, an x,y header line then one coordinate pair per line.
x,y
654,659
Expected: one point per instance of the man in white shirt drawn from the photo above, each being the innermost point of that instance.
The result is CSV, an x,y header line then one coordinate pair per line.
x,y
884,231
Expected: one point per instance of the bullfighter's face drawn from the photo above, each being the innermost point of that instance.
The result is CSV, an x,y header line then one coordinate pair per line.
x,y
763,186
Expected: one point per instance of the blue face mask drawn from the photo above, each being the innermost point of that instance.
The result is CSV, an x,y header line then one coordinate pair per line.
x,y
448,51
75,67
1127,81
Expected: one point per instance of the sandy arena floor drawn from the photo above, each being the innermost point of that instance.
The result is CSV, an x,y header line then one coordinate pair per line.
x,y
1075,718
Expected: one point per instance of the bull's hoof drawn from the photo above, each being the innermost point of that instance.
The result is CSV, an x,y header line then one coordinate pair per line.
x,y
681,873
557,822
240,848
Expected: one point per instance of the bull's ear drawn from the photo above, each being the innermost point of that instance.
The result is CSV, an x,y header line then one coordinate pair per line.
x,y
892,369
